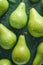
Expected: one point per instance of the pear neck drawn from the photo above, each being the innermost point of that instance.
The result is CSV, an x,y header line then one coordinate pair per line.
x,y
21,6
21,40
33,12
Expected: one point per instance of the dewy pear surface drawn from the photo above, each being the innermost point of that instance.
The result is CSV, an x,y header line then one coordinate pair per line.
x,y
39,56
35,24
21,53
7,37
3,6
18,18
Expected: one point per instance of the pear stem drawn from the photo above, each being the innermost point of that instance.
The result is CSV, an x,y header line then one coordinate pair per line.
x,y
24,33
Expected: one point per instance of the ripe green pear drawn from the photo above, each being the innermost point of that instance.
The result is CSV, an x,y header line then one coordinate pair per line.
x,y
42,3
18,18
5,62
34,1
3,6
21,53
35,24
39,56
7,37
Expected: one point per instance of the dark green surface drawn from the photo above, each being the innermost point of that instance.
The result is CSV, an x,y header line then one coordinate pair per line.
x,y
31,41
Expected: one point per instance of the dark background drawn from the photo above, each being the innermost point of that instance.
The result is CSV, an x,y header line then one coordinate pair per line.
x,y
31,41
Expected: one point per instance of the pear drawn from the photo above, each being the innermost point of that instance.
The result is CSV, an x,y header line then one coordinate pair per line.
x,y
42,3
18,18
21,53
5,62
39,56
35,24
7,37
3,6
34,1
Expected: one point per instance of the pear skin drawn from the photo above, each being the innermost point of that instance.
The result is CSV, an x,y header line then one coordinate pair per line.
x,y
18,18
35,24
5,62
8,38
39,56
21,53
3,6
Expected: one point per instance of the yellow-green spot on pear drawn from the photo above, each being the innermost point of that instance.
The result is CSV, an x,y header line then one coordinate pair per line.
x,y
39,56
3,6
7,37
18,17
21,53
35,24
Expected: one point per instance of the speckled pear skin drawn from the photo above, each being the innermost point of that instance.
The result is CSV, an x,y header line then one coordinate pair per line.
x,y
35,24
42,3
18,17
21,53
7,37
3,6
39,56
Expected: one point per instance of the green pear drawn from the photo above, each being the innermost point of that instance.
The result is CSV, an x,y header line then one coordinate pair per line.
x,y
7,37
35,24
5,62
18,18
21,53
34,1
39,56
3,6
42,3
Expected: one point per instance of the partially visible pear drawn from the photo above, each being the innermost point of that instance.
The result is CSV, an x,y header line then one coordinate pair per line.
x,y
42,3
5,62
7,37
39,56
3,6
21,53
18,18
35,24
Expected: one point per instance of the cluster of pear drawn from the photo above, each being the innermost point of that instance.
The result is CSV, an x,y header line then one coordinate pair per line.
x,y
8,39
4,5
21,54
18,19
